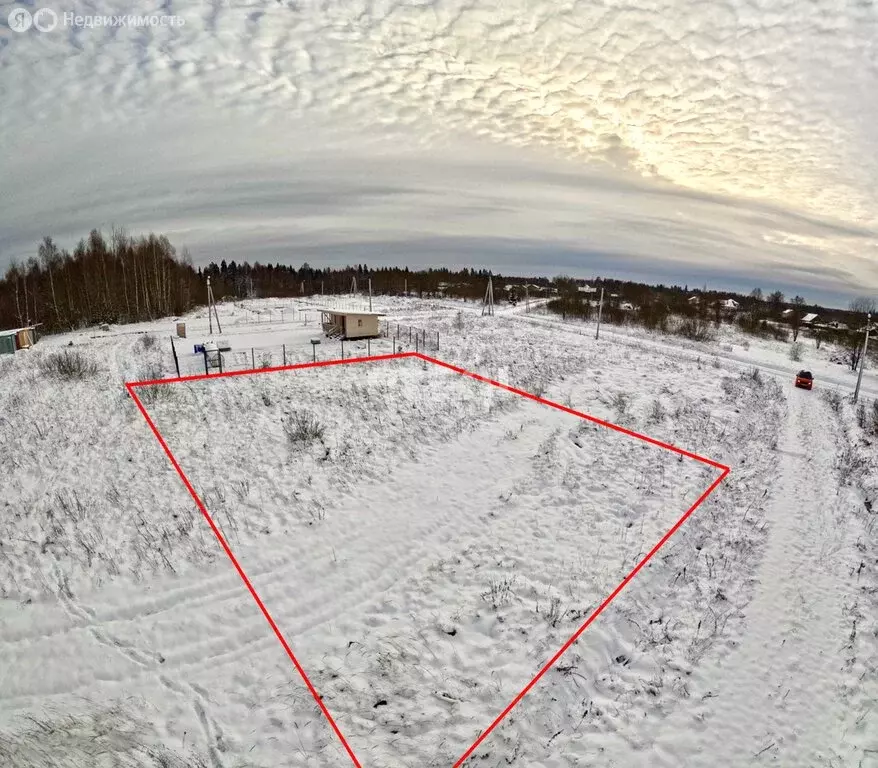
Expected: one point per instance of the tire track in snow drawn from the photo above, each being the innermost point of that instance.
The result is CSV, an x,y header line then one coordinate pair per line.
x,y
404,540
772,700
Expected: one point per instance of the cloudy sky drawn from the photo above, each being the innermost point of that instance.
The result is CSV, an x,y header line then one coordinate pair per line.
x,y
732,143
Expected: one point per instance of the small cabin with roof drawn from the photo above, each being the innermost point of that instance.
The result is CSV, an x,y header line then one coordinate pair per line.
x,y
343,324
14,339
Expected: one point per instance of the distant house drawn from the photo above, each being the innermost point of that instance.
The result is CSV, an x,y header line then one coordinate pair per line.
x,y
626,306
730,304
810,319
340,324
586,289
786,314
693,300
15,339
836,326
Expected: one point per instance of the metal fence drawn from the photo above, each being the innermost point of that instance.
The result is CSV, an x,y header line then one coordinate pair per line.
x,y
254,358
282,315
393,337
418,339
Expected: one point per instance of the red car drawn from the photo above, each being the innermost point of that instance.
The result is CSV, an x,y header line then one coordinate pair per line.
x,y
804,379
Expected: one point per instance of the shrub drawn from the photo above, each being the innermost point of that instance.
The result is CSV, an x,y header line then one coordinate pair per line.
x,y
620,402
657,413
147,341
796,350
68,364
155,393
500,591
851,464
151,371
833,399
302,429
870,418
779,334
695,330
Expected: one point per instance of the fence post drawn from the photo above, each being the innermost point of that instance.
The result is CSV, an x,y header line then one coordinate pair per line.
x,y
437,341
368,349
424,340
206,372
342,349
416,343
410,334
220,356
285,353
252,358
176,362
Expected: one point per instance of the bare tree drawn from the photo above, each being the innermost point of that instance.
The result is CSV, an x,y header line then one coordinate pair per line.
x,y
13,273
863,305
796,317
49,258
775,302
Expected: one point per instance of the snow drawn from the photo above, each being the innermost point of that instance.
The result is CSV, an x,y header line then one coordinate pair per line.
x,y
431,549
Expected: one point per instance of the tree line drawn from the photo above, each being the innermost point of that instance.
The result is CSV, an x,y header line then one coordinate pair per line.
x,y
120,280
124,279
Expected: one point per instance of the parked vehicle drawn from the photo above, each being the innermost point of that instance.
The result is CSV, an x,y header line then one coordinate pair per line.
x,y
804,379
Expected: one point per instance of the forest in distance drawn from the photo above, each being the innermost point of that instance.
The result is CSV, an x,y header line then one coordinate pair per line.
x,y
125,279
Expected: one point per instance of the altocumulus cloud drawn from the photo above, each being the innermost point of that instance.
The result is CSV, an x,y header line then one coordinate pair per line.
x,y
668,139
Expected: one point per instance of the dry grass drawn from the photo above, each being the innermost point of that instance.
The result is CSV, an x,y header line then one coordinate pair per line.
x,y
68,364
104,738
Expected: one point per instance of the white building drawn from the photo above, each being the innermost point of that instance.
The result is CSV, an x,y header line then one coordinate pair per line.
x,y
350,325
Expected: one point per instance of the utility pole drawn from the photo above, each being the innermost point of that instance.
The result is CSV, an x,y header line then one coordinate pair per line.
x,y
212,310
370,294
488,306
863,355
597,334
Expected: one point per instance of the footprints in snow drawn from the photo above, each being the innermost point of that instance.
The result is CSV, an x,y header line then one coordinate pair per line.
x,y
197,696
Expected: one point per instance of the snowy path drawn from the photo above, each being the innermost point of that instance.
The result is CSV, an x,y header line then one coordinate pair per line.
x,y
774,699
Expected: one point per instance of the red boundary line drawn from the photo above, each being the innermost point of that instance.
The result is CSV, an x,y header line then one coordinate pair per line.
x,y
131,386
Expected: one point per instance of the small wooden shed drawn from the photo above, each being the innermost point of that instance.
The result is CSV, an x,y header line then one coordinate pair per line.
x,y
341,324
14,339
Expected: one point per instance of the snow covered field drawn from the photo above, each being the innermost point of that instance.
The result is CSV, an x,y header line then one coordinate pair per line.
x,y
425,542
